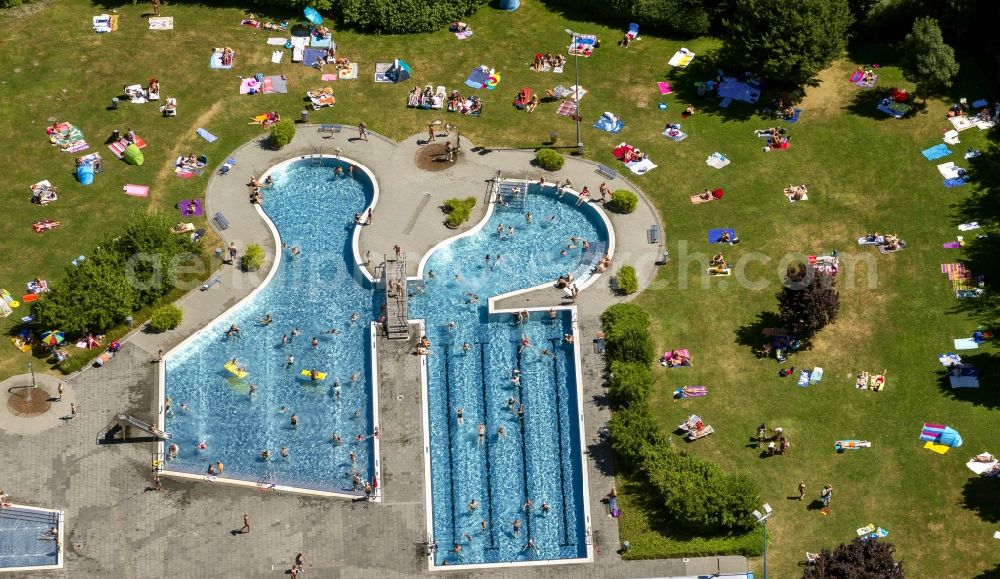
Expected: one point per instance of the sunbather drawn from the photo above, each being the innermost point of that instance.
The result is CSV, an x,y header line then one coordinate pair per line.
x,y
532,103
862,381
227,56
153,87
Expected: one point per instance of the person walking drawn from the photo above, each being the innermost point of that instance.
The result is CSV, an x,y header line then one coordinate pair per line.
x,y
430,133
802,490
246,524
157,484
59,390
232,252
825,495
156,7
363,131
300,560
72,410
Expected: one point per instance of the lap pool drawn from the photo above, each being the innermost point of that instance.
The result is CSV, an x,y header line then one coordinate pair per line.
x,y
25,539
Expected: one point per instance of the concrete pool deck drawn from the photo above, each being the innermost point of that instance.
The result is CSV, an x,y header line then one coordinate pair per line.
x,y
119,526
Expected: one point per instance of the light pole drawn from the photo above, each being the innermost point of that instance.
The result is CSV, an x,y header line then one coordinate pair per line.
x,y
762,519
576,92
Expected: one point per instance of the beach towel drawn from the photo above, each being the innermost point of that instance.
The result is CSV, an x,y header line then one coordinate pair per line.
x,y
961,123
795,116
950,171
477,78
816,375
215,61
716,194
136,190
275,84
803,379
161,22
206,135
842,445
984,125
249,86
606,123
956,181
582,44
681,59
969,226
349,73
893,109
101,23
858,76
871,240
380,69
674,134
949,359
938,448
190,207
715,235
119,146
691,392
575,93
980,467
275,41
67,137
567,109
936,152
664,87
328,77
951,137
310,55
641,167
277,55
730,88
467,33
931,432
316,42
963,376
717,160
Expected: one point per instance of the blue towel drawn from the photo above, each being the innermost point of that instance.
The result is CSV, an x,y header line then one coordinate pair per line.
x,y
956,181
603,124
206,135
320,42
803,379
892,113
795,117
310,55
979,103
477,78
936,152
714,235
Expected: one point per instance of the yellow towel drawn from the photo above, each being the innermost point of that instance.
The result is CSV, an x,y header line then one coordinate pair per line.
x,y
938,448
114,22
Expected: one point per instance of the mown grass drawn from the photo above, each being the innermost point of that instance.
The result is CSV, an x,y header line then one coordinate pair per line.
x,y
864,170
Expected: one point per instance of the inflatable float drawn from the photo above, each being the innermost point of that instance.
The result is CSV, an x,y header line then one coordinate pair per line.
x,y
308,374
236,370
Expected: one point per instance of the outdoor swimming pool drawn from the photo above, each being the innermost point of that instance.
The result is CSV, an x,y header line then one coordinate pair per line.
x,y
315,292
473,354
24,539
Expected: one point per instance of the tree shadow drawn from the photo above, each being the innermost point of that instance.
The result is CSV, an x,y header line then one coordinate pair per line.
x,y
684,84
980,496
865,101
993,573
752,335
602,456
986,395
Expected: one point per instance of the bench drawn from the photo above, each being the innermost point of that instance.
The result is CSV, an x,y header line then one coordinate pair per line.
x,y
606,171
221,221
331,129
599,343
653,235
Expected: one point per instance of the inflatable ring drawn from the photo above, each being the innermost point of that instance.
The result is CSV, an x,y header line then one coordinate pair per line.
x,y
14,303
492,81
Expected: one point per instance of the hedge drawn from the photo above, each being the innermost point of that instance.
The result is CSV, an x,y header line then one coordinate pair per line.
x,y
282,134
406,16
627,280
549,159
166,318
458,211
634,432
623,201
630,384
623,314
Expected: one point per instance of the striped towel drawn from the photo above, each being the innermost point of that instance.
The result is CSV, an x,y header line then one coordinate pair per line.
x,y
950,267
118,147
931,432
567,108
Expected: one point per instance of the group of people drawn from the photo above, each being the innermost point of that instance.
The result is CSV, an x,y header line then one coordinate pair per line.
x,y
777,442
796,192
526,100
470,106
717,264
426,98
548,61
256,187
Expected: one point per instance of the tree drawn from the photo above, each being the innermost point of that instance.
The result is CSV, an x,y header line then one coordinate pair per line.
x,y
788,44
808,300
927,60
871,559
403,16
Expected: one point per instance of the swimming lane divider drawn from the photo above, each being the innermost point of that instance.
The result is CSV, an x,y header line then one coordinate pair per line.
x,y
486,442
524,439
562,466
451,472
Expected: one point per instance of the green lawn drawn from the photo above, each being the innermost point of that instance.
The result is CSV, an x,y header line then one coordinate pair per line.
x,y
864,170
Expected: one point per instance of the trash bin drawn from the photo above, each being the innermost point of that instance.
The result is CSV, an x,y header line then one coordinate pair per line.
x,y
203,159
305,116
114,104
553,136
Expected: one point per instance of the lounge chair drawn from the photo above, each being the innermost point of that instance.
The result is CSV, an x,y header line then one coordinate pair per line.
x,y
699,434
323,101
439,98
169,108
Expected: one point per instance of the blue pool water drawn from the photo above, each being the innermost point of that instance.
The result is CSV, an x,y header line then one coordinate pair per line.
x,y
537,457
316,291
21,538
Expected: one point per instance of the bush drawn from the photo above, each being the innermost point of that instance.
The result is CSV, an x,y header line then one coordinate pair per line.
x,y
405,16
623,314
282,134
629,344
623,201
253,258
458,211
684,17
698,495
166,318
549,160
627,280
634,432
631,384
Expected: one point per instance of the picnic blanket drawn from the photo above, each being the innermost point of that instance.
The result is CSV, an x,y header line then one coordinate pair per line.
x,y
717,160
963,376
68,138
215,61
349,73
610,123
950,171
161,22
858,78
893,109
641,167
674,134
277,41
715,235
310,55
119,146
981,467
738,91
936,152
803,379
567,109
482,77
681,59
582,44
961,123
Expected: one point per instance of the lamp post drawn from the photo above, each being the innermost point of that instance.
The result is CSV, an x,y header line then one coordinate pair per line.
x,y
576,92
31,369
762,519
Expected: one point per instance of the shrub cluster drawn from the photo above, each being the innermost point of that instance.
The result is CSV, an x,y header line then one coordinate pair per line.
x,y
696,493
405,16
458,211
125,273
281,134
623,201
549,159
253,258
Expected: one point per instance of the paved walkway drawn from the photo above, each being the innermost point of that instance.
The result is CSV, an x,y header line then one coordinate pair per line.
x,y
117,526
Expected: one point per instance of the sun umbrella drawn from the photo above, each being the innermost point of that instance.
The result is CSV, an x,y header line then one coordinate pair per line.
x,y
313,16
53,338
